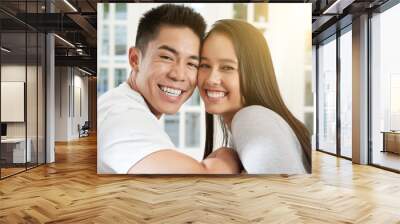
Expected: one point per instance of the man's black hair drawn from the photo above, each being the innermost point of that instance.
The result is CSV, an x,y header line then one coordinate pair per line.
x,y
168,14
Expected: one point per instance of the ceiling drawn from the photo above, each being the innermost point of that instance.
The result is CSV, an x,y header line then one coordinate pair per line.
x,y
76,22
332,15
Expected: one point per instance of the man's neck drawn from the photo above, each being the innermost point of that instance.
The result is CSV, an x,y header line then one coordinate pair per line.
x,y
131,82
158,115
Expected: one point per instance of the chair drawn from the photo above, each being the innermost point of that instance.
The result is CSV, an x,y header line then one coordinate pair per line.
x,y
84,130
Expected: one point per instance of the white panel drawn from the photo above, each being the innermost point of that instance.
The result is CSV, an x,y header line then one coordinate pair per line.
x,y
77,107
12,101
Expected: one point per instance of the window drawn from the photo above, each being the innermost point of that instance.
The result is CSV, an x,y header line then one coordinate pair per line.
x,y
240,11
192,126
261,13
102,82
106,10
105,41
194,100
120,11
120,40
395,102
385,88
119,76
346,94
308,102
308,95
22,98
171,125
309,121
327,96
186,128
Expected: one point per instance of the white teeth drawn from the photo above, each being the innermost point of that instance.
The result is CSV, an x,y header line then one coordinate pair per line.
x,y
170,91
215,94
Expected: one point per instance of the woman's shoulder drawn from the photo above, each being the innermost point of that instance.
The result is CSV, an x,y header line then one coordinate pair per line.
x,y
258,115
258,123
265,142
255,110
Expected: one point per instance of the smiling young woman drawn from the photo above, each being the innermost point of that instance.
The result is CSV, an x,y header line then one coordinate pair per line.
x,y
237,82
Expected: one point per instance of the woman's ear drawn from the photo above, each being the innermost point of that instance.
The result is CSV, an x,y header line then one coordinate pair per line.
x,y
135,56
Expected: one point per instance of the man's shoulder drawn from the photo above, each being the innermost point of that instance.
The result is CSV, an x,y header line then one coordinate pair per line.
x,y
121,96
123,107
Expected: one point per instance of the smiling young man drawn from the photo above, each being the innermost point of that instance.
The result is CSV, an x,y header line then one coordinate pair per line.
x,y
164,65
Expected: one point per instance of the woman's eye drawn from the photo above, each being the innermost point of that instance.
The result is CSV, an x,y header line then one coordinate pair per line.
x,y
227,68
166,57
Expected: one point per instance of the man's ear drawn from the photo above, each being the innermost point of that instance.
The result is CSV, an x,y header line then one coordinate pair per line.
x,y
135,56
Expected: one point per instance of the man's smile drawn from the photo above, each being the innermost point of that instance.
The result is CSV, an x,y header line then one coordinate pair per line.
x,y
170,91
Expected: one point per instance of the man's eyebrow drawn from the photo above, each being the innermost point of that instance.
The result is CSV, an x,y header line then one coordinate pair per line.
x,y
168,48
175,52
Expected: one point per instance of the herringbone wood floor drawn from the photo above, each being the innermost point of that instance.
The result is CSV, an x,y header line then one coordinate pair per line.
x,y
70,191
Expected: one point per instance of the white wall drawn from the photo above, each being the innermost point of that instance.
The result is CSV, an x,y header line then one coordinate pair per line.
x,y
12,73
70,84
33,126
80,103
12,100
61,103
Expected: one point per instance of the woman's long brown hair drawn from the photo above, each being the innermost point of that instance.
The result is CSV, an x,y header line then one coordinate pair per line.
x,y
258,83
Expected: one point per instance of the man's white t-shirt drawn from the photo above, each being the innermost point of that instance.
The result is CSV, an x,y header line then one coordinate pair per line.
x,y
127,131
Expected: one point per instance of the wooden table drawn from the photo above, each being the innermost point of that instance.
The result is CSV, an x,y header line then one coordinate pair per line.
x,y
391,141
